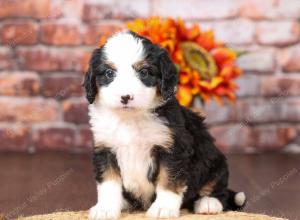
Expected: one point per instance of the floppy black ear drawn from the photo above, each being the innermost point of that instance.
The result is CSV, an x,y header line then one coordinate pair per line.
x,y
89,84
90,78
169,75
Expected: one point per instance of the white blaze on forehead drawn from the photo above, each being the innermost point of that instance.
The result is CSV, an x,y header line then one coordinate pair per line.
x,y
123,49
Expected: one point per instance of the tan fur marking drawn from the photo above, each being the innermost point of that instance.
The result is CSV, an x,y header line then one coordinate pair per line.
x,y
139,65
207,189
165,181
111,65
98,146
111,174
199,112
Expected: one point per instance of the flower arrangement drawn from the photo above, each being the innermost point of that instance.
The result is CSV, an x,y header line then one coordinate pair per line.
x,y
207,68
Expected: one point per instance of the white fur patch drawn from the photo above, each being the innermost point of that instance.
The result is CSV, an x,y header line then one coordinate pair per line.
x,y
123,49
240,198
131,135
110,201
166,205
208,205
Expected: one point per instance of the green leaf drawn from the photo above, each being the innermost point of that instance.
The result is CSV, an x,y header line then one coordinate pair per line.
x,y
240,52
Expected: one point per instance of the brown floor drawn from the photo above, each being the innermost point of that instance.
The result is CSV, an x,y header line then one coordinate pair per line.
x,y
48,182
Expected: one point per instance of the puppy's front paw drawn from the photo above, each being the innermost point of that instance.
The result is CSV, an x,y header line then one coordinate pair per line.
x,y
208,205
102,212
157,210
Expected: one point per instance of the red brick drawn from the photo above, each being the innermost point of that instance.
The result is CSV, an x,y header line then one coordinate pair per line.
x,y
15,33
62,86
19,84
73,9
291,111
247,111
54,137
258,61
28,110
272,110
272,137
27,8
239,31
195,9
271,9
249,85
232,137
94,32
60,34
289,59
85,140
5,58
278,33
258,9
109,9
281,86
289,9
215,114
14,138
254,111
53,59
75,111
95,12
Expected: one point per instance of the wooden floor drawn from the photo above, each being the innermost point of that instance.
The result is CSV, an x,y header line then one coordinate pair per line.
x,y
48,182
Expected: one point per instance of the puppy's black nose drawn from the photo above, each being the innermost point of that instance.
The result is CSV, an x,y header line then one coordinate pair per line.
x,y
125,99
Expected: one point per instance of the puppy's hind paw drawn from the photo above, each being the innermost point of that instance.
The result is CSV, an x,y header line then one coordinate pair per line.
x,y
208,205
98,212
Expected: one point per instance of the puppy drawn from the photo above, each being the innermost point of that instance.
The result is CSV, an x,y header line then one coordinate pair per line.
x,y
150,153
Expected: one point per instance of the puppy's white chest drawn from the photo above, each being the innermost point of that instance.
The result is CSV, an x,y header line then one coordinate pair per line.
x,y
128,129
131,137
134,164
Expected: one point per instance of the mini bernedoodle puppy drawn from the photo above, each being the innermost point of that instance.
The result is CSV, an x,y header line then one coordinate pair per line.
x,y
150,153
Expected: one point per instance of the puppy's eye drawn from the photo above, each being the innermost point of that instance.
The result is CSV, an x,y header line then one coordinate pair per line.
x,y
144,73
109,73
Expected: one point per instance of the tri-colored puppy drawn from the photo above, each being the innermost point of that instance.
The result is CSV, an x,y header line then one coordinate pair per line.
x,y
150,153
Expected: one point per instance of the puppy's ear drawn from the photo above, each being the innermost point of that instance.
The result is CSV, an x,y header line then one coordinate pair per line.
x,y
89,82
169,75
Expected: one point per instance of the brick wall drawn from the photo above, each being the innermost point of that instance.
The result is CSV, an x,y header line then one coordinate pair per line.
x,y
45,46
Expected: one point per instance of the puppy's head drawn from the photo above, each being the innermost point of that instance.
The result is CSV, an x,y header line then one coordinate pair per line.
x,y
130,72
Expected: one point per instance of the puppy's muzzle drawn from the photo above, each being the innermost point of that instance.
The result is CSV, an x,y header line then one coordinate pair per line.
x,y
125,99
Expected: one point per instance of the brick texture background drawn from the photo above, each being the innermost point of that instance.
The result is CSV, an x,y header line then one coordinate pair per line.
x,y
45,46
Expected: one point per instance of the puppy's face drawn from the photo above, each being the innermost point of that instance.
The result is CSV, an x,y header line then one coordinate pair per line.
x,y
129,72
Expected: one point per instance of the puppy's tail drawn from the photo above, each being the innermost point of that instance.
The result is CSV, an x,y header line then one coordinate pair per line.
x,y
236,200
